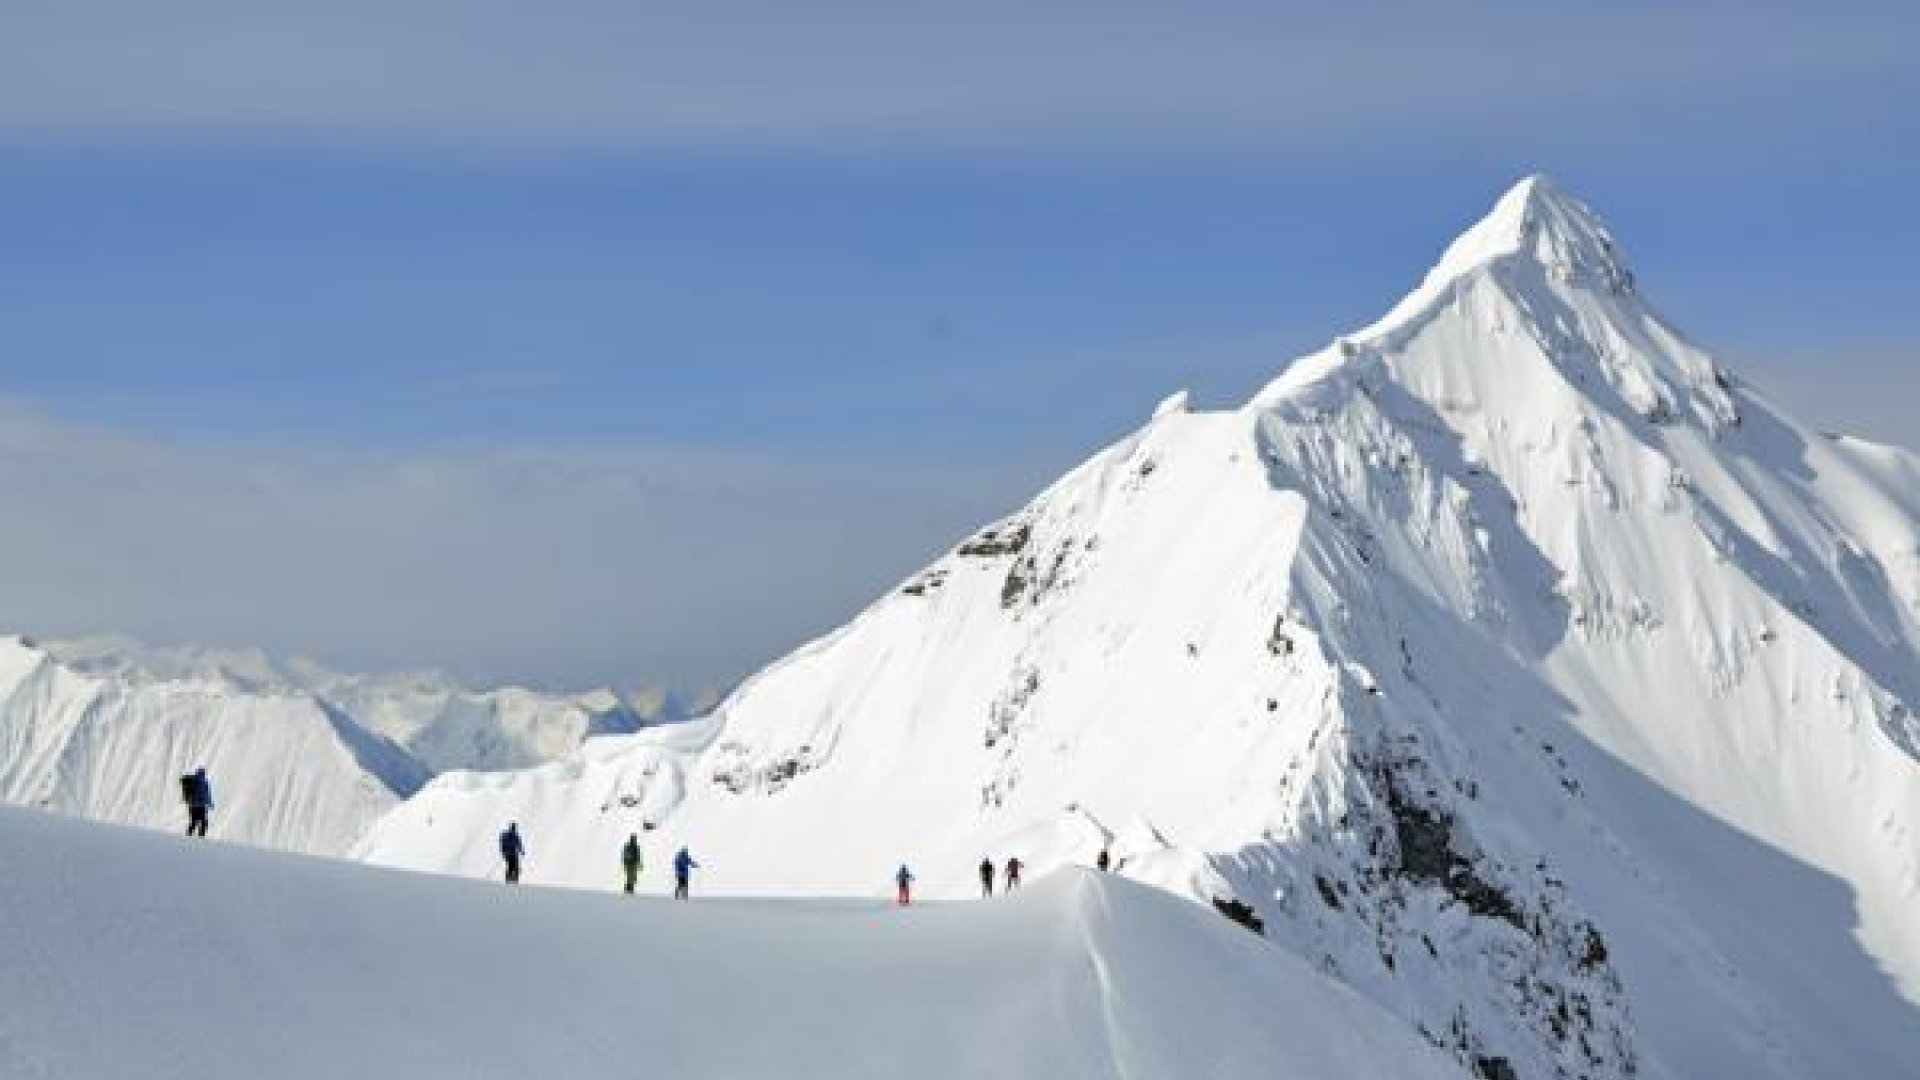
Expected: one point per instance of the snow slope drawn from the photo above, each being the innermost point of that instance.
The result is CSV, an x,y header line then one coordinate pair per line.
x,y
223,963
1527,671
301,758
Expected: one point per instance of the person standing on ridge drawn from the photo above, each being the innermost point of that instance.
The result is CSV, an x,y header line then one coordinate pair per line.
x,y
197,791
630,860
683,867
512,850
1104,862
986,878
904,879
1013,874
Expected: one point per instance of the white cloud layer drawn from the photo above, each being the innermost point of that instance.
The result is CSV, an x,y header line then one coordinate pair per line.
x,y
571,73
564,567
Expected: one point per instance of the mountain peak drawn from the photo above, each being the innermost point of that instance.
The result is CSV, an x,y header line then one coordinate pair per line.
x,y
1538,220
1537,240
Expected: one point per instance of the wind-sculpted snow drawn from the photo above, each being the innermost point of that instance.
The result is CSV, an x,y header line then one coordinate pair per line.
x,y
1515,662
301,758
135,955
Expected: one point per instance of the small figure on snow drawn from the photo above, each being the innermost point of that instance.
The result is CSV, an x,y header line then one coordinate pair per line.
x,y
197,791
630,860
1104,862
1013,874
904,879
683,867
512,850
986,877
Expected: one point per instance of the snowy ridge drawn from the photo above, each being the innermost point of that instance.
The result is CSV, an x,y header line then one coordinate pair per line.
x,y
302,758
1077,976
1523,668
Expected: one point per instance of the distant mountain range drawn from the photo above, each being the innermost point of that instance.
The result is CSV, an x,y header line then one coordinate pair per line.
x,y
301,758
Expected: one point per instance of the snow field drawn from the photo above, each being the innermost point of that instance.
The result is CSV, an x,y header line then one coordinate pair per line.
x,y
134,954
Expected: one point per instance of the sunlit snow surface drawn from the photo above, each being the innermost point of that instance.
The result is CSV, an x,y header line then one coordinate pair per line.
x,y
133,955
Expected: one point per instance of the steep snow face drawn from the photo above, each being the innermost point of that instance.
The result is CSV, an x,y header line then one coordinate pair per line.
x,y
1573,551
978,686
231,965
1521,666
301,758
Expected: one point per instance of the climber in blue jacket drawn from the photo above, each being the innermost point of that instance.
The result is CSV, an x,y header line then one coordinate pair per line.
x,y
683,866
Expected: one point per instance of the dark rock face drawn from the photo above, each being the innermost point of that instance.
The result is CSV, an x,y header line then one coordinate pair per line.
x,y
1428,853
1393,888
1239,912
998,542
1494,1068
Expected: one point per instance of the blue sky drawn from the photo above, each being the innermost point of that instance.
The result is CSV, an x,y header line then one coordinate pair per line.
x,y
828,284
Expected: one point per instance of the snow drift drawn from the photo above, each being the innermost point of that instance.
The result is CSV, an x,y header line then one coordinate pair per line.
x,y
1525,670
135,954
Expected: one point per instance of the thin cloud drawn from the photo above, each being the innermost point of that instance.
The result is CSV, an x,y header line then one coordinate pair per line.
x,y
502,74
562,566
1863,391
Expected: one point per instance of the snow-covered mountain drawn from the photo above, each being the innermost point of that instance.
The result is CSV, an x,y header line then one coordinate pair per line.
x,y
1525,669
302,758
